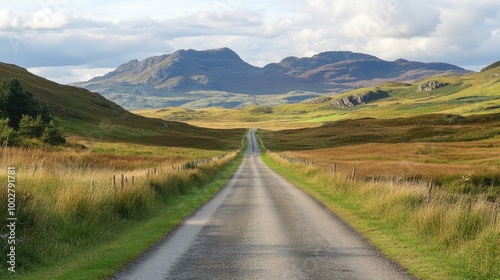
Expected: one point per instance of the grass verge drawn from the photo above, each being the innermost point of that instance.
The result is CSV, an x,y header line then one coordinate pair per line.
x,y
444,238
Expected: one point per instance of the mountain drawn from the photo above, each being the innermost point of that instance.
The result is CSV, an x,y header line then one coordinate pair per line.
x,y
331,69
220,77
88,114
190,70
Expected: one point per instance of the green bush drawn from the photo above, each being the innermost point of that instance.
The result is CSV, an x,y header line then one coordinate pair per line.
x,y
6,132
53,135
31,127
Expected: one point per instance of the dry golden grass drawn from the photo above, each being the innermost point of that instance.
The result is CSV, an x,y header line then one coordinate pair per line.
x,y
67,169
421,160
65,197
461,154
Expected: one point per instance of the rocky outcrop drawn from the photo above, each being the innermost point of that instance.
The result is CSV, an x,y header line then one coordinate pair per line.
x,y
317,100
430,86
354,100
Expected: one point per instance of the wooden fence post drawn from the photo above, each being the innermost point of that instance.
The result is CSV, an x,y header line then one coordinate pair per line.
x,y
133,180
353,176
334,168
429,194
114,182
122,182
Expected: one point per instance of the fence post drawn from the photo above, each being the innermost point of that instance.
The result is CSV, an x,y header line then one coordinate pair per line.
x,y
429,194
34,169
133,180
114,182
122,182
353,176
334,168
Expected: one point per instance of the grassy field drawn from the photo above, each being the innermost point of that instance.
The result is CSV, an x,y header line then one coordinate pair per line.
x,y
461,154
68,203
434,234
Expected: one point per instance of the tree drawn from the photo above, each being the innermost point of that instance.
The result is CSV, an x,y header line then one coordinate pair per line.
x,y
16,102
18,109
6,132
53,135
31,127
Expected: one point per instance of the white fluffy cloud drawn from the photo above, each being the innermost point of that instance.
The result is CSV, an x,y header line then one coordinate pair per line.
x,y
55,37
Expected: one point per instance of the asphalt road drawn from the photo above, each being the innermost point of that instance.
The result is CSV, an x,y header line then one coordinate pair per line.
x,y
259,226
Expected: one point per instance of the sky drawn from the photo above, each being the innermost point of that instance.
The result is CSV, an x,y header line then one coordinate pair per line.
x,y
69,41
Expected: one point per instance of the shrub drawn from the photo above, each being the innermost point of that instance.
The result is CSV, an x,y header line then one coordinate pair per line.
x,y
31,127
53,135
6,132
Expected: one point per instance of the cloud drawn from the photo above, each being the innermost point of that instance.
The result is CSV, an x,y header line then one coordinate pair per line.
x,y
8,19
68,74
105,34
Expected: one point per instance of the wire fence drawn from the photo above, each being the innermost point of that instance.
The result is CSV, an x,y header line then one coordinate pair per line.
x,y
432,192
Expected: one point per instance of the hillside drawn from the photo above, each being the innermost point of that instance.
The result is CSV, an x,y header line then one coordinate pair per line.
x,y
84,113
219,77
491,66
475,93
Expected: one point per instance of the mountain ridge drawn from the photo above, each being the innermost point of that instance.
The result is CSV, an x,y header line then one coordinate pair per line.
x,y
178,75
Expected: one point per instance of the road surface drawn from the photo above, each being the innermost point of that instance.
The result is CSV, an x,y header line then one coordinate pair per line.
x,y
259,226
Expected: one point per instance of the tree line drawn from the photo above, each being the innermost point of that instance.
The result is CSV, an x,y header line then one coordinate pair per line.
x,y
23,118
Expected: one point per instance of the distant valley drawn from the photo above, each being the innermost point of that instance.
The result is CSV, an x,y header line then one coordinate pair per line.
x,y
219,77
